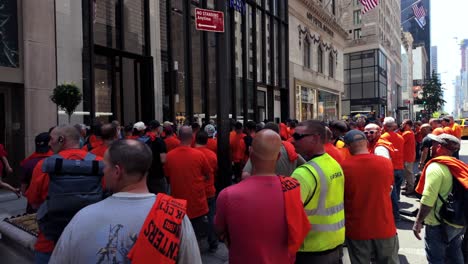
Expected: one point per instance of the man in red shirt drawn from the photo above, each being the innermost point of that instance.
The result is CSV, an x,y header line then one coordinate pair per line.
x,y
201,145
398,161
409,150
108,135
331,149
66,142
171,140
212,143
370,229
188,170
251,215
237,144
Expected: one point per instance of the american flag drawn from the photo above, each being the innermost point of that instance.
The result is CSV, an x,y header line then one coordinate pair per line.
x,y
419,14
419,11
368,5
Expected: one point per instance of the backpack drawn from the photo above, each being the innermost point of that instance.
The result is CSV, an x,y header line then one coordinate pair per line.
x,y
73,184
145,140
454,210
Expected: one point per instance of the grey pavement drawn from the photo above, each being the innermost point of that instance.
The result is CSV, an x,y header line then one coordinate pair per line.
x,y
411,249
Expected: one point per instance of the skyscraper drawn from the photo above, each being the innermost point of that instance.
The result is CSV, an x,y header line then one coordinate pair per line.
x,y
421,31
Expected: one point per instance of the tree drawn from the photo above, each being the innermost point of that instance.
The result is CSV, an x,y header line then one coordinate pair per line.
x,y
67,96
433,94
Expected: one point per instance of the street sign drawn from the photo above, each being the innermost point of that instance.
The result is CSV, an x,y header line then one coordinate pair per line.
x,y
209,20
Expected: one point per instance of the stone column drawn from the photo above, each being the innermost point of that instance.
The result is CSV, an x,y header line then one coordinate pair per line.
x,y
39,67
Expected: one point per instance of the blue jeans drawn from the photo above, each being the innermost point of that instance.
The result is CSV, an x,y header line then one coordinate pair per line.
x,y
41,257
398,180
443,244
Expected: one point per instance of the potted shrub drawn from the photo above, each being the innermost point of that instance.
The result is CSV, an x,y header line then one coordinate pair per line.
x,y
67,96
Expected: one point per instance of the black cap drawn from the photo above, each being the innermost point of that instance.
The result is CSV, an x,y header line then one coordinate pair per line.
x,y
353,136
42,142
154,124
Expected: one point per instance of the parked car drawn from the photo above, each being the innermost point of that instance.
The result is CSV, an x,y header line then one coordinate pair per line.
x,y
464,125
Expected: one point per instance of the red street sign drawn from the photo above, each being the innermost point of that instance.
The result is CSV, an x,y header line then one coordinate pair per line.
x,y
209,20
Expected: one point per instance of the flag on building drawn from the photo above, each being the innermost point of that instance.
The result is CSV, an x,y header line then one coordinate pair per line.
x,y
419,14
368,5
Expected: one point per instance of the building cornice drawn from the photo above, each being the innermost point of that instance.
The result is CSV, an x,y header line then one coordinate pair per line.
x,y
317,10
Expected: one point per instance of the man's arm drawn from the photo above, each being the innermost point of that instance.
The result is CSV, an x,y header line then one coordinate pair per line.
x,y
422,161
424,211
382,151
37,191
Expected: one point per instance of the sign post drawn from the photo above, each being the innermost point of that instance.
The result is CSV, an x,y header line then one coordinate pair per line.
x,y
209,20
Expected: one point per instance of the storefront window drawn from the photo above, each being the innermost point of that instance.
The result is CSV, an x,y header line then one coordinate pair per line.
x,y
259,47
327,106
106,27
178,50
103,88
9,53
268,51
134,25
198,94
239,65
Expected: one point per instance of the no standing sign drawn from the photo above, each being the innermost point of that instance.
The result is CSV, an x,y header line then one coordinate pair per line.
x,y
209,20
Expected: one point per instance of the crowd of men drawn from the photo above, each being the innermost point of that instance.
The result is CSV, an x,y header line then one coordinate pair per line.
x,y
302,191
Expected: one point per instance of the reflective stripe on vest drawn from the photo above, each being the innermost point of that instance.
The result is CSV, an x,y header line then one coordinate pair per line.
x,y
321,210
325,209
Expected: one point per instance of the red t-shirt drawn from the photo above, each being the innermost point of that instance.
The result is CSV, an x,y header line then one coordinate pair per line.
x,y
212,144
237,145
39,187
409,147
252,213
185,167
172,142
398,142
334,152
100,150
213,161
368,204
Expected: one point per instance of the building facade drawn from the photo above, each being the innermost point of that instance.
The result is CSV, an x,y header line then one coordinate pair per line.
x,y
461,83
420,61
406,100
421,31
434,60
372,60
316,43
257,32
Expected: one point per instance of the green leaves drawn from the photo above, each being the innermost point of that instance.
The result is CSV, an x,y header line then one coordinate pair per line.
x,y
433,94
67,96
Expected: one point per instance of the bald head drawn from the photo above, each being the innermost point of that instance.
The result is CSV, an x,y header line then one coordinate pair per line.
x,y
266,145
64,137
185,134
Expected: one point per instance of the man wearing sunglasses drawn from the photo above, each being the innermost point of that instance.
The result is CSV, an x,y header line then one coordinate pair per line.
x,y
377,146
322,193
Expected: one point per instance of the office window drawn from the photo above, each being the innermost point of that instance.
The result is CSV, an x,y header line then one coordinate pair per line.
x,y
356,2
307,53
320,59
331,65
333,7
357,17
357,33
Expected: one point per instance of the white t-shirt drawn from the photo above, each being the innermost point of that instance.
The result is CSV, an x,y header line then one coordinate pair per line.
x,y
106,231
382,151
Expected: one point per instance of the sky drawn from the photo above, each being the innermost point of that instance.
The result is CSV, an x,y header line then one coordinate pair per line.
x,y
449,25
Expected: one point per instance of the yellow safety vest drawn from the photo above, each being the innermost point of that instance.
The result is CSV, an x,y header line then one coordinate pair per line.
x,y
325,207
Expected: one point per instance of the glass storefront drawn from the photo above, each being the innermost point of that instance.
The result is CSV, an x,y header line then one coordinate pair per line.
x,y
313,103
258,61
9,52
121,86
365,79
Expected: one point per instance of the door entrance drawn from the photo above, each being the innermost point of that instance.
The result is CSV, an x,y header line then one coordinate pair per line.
x,y
122,88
